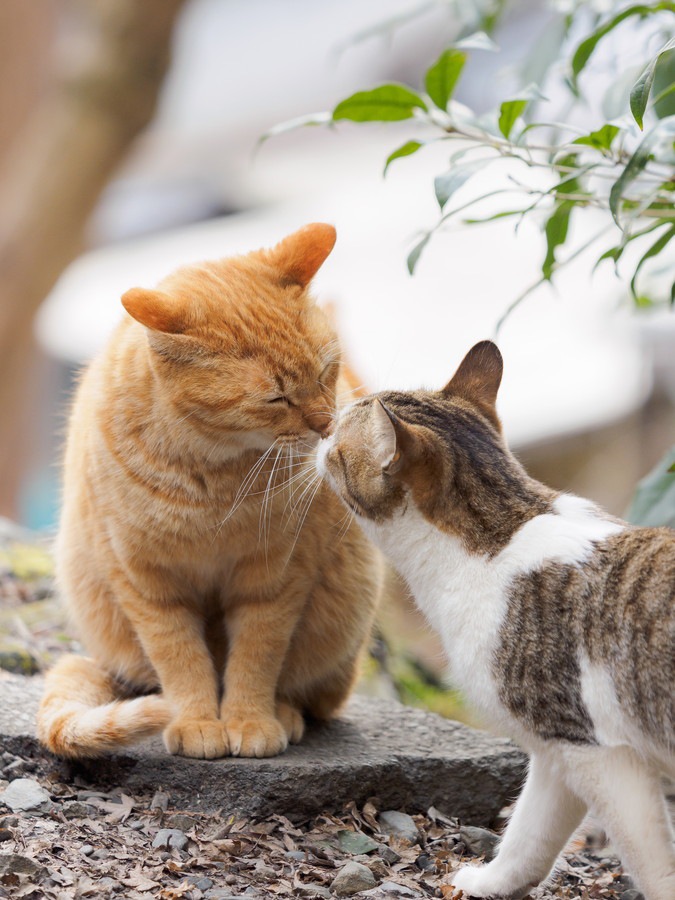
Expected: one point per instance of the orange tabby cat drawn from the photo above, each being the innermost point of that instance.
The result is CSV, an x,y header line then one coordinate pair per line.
x,y
196,553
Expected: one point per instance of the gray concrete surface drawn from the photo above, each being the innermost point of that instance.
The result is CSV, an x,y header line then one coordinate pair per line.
x,y
406,757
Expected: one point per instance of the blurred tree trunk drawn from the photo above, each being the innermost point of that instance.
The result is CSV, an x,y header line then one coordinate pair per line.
x,y
106,87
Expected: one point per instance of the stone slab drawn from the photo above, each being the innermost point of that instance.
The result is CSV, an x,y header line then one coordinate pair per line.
x,y
408,758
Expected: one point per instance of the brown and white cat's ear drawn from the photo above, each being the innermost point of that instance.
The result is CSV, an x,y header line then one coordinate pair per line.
x,y
300,256
478,378
391,437
156,310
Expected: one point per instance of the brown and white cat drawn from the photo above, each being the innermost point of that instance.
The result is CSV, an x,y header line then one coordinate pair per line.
x,y
195,537
558,621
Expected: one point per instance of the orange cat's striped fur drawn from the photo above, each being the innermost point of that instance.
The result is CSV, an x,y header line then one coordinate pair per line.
x,y
191,560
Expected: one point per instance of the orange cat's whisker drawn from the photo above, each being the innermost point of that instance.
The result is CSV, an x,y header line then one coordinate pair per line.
x,y
305,478
246,484
343,526
303,519
266,507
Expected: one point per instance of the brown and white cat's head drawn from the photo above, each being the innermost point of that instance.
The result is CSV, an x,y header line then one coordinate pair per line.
x,y
440,453
239,344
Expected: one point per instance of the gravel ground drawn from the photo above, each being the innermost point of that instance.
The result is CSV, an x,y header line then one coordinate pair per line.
x,y
80,840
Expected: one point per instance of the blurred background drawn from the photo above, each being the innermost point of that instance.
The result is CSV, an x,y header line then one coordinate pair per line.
x,y
129,144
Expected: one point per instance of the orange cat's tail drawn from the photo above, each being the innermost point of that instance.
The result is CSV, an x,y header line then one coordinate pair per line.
x,y
81,715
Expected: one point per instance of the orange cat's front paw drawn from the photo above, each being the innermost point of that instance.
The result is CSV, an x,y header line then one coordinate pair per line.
x,y
198,738
292,721
254,735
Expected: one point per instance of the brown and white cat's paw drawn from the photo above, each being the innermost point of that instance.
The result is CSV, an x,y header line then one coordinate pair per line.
x,y
198,738
250,735
484,882
291,720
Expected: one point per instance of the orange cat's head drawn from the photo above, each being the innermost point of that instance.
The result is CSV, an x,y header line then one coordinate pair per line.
x,y
240,346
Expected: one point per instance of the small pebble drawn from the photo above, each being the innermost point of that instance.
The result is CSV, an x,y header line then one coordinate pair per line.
x,y
86,850
313,890
170,837
76,809
16,864
100,854
24,794
352,878
17,768
264,871
400,825
5,835
392,889
387,854
219,894
425,863
160,801
298,855
479,841
9,822
180,822
201,882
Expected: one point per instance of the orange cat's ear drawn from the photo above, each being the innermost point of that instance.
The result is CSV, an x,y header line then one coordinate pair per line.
x,y
155,310
391,437
478,378
300,256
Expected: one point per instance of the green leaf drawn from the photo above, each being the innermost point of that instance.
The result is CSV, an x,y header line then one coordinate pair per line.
x,y
633,167
662,106
511,109
600,139
443,75
322,118
509,112
387,103
639,95
653,503
662,241
615,253
416,252
355,842
585,49
556,235
477,41
445,185
406,149
663,89
500,215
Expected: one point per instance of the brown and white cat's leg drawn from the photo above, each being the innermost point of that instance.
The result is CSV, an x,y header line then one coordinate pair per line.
x,y
626,795
546,814
259,633
171,635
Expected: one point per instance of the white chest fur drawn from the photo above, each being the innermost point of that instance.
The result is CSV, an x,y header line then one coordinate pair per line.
x,y
465,596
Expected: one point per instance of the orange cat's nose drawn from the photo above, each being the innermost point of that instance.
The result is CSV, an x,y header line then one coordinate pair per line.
x,y
321,423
